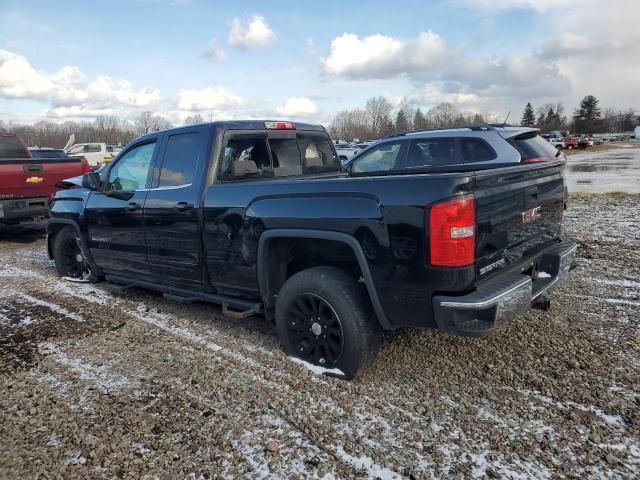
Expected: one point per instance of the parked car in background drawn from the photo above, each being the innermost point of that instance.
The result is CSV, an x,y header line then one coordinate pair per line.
x,y
557,142
571,142
96,154
257,216
27,181
454,146
345,151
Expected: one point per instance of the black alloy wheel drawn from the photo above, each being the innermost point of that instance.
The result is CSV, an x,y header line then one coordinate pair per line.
x,y
314,330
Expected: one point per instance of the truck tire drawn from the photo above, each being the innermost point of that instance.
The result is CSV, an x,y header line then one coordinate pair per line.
x,y
323,317
69,259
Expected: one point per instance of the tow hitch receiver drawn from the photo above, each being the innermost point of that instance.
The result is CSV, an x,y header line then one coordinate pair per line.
x,y
542,302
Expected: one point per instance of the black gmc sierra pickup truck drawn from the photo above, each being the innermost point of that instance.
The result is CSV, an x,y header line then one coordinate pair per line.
x,y
258,217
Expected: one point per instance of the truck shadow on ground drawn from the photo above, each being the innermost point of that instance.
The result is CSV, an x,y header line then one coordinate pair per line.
x,y
24,233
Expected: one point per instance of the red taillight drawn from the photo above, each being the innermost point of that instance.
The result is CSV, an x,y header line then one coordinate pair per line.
x,y
280,125
452,230
537,160
85,165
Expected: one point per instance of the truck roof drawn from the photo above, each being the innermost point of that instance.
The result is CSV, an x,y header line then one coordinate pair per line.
x,y
244,125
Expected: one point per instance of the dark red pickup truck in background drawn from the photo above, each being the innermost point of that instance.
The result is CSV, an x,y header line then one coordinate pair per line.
x,y
26,183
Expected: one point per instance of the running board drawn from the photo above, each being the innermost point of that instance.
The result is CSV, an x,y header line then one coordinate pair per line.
x,y
179,298
238,315
242,308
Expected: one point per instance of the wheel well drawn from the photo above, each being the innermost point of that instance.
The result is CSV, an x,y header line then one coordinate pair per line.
x,y
288,256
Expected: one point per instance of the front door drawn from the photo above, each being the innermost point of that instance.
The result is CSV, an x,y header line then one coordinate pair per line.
x,y
172,207
114,215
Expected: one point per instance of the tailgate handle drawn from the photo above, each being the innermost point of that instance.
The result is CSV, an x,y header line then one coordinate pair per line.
x,y
31,168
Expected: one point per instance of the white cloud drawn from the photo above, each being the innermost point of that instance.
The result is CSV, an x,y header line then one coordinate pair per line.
x,y
215,52
18,79
381,56
537,5
76,111
209,98
297,106
69,86
254,33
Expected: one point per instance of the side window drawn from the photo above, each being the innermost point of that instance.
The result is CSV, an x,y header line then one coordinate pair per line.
x,y
286,157
180,160
476,150
431,152
380,158
77,149
317,155
92,148
131,171
246,157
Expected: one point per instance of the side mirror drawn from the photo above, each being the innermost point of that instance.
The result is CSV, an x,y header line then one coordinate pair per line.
x,y
91,181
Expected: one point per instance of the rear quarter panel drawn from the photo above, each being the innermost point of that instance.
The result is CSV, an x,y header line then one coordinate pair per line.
x,y
385,214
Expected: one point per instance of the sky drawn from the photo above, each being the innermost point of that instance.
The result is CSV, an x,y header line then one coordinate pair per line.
x,y
74,60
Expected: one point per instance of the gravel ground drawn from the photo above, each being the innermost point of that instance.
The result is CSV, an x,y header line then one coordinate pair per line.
x,y
101,386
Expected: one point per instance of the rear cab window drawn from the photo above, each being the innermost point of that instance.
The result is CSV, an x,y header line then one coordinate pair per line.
x,y
11,147
533,147
281,153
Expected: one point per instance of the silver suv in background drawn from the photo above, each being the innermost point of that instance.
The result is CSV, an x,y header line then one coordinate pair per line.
x,y
476,144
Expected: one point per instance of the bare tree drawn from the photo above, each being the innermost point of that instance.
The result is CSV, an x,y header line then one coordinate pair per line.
x,y
443,115
378,110
197,118
147,122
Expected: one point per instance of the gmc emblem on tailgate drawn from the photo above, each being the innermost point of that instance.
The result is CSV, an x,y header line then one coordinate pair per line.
x,y
529,216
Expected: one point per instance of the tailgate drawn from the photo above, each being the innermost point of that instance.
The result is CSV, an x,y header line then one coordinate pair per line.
x,y
27,178
518,211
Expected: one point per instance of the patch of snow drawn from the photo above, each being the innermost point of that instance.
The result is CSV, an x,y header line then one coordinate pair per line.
x,y
372,469
544,275
51,306
317,369
75,280
99,374
621,302
617,283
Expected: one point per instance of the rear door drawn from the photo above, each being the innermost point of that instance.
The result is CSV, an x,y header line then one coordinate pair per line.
x,y
172,207
518,212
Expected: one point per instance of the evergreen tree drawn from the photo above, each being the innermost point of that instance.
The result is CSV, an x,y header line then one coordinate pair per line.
x,y
588,109
528,117
419,120
401,123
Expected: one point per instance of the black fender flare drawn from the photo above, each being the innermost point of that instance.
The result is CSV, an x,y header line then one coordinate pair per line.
x,y
83,241
266,291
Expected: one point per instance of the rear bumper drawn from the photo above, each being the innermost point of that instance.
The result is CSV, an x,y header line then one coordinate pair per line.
x,y
503,297
21,209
